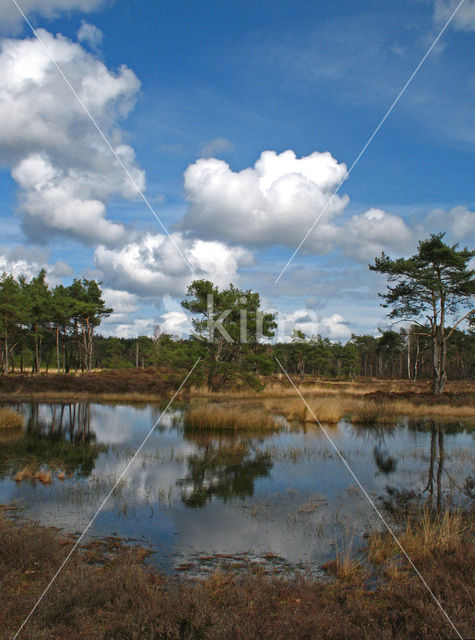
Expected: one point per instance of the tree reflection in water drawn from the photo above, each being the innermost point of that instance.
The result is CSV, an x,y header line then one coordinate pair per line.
x,y
436,451
63,440
224,467
386,463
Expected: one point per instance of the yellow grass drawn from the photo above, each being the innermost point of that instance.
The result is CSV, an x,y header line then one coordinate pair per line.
x,y
346,567
325,409
428,535
10,419
43,476
216,416
78,396
26,473
369,411
332,400
31,472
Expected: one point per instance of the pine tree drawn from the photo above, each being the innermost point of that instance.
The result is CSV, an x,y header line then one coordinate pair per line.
x,y
429,287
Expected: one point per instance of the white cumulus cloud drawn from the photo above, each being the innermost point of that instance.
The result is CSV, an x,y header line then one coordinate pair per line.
x,y
151,266
459,222
367,235
273,202
277,201
334,327
65,172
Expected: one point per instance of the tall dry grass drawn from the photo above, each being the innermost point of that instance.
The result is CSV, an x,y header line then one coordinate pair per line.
x,y
429,534
221,416
370,411
325,409
10,419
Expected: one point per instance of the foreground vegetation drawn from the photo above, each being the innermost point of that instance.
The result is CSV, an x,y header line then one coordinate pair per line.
x,y
107,591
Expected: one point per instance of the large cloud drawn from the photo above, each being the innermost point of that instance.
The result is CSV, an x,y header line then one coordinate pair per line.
x,y
151,266
65,172
277,201
274,202
11,19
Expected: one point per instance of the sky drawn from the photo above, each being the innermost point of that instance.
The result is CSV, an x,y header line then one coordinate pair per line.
x,y
148,143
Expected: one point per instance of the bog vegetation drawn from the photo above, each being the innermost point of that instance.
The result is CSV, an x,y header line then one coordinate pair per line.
x,y
107,591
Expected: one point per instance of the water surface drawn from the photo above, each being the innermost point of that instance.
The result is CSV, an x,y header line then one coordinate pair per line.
x,y
201,498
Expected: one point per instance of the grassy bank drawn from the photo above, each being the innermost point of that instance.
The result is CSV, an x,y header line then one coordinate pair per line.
x,y
106,591
362,401
145,385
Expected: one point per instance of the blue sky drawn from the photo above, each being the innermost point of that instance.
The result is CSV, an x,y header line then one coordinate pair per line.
x,y
191,94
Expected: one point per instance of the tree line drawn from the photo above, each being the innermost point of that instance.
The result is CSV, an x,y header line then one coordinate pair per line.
x,y
39,323
233,335
392,354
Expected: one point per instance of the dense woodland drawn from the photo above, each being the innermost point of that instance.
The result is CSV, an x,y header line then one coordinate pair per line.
x,y
45,328
385,356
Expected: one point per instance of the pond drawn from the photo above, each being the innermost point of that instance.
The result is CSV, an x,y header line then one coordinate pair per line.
x,y
201,498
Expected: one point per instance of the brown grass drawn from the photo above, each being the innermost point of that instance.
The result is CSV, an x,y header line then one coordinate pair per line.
x,y
108,592
229,416
370,411
422,537
10,419
325,409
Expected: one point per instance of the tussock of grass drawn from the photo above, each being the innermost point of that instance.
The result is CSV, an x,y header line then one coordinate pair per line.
x,y
325,409
370,411
346,567
10,419
218,416
429,534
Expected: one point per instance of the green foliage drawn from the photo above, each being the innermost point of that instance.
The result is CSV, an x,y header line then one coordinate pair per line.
x,y
36,320
229,325
428,287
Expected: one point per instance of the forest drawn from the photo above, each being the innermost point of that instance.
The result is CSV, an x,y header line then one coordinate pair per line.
x,y
45,329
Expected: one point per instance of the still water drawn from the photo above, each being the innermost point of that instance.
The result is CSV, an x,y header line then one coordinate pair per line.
x,y
204,498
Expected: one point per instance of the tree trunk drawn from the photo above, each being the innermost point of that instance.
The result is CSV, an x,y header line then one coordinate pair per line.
x,y
37,352
6,367
57,348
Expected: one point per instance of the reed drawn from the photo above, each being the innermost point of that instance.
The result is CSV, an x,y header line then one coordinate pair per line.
x,y
427,535
10,419
218,416
324,409
370,411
